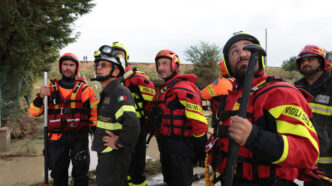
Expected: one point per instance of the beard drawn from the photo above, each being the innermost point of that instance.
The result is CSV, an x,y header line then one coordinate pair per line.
x,y
310,72
240,71
240,74
67,75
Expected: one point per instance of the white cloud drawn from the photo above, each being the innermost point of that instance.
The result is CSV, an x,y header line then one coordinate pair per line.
x,y
147,26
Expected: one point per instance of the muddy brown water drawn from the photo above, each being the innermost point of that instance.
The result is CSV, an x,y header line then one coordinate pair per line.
x,y
22,171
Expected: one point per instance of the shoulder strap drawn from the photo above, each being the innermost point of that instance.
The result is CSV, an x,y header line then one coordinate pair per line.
x,y
169,85
55,97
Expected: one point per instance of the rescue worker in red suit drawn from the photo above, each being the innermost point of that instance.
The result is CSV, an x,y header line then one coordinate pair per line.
x,y
178,121
142,90
317,80
277,139
72,111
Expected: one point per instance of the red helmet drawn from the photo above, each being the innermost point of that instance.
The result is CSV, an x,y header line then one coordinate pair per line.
x,y
70,56
172,56
312,50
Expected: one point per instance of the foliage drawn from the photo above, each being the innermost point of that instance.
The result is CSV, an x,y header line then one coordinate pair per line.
x,y
289,76
32,32
205,58
290,64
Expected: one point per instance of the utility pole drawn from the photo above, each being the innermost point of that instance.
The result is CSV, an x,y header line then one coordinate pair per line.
x,y
265,58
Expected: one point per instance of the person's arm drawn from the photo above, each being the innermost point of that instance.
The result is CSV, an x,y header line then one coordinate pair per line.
x,y
294,142
37,106
126,115
190,98
93,100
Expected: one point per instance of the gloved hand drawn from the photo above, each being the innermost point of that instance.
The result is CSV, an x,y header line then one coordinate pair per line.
x,y
199,144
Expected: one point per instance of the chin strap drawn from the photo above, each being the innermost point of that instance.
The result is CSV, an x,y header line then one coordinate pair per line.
x,y
102,78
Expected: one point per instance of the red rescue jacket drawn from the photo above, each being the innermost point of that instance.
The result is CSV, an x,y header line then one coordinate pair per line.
x,y
283,140
180,102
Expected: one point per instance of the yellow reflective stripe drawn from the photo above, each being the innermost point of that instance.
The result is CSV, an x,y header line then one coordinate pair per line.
x,y
35,108
321,109
108,125
107,149
297,130
211,91
144,183
285,152
147,90
147,97
124,108
93,105
198,135
295,112
325,160
192,115
191,106
196,116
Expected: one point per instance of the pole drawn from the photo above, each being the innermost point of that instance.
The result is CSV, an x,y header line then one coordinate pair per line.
x,y
45,70
233,148
265,58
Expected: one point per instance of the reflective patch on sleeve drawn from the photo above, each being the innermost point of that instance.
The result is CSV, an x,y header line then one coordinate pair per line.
x,y
285,152
321,109
210,89
109,125
194,111
147,90
94,104
293,112
124,108
35,108
284,127
325,160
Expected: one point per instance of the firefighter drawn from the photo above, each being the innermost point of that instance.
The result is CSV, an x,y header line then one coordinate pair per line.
x,y
142,89
178,121
317,80
72,111
277,139
117,125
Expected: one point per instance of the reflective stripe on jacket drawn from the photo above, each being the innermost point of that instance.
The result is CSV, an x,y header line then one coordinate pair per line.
x,y
283,139
321,107
69,109
141,87
116,113
182,113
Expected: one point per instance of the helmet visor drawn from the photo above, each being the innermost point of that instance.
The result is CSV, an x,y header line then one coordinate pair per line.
x,y
104,50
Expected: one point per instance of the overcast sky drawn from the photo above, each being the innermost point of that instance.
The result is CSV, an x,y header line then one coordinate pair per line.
x,y
147,26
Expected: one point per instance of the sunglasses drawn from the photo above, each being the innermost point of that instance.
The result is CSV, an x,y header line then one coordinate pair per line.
x,y
103,64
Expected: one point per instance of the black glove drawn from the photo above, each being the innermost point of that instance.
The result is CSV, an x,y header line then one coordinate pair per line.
x,y
199,144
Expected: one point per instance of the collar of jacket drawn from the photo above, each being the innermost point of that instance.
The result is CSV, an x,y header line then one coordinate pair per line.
x,y
111,86
322,80
189,77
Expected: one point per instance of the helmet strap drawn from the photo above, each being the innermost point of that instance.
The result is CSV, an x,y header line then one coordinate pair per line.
x,y
104,78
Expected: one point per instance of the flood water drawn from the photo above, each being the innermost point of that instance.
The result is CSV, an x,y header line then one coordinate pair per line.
x,y
22,171
28,170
